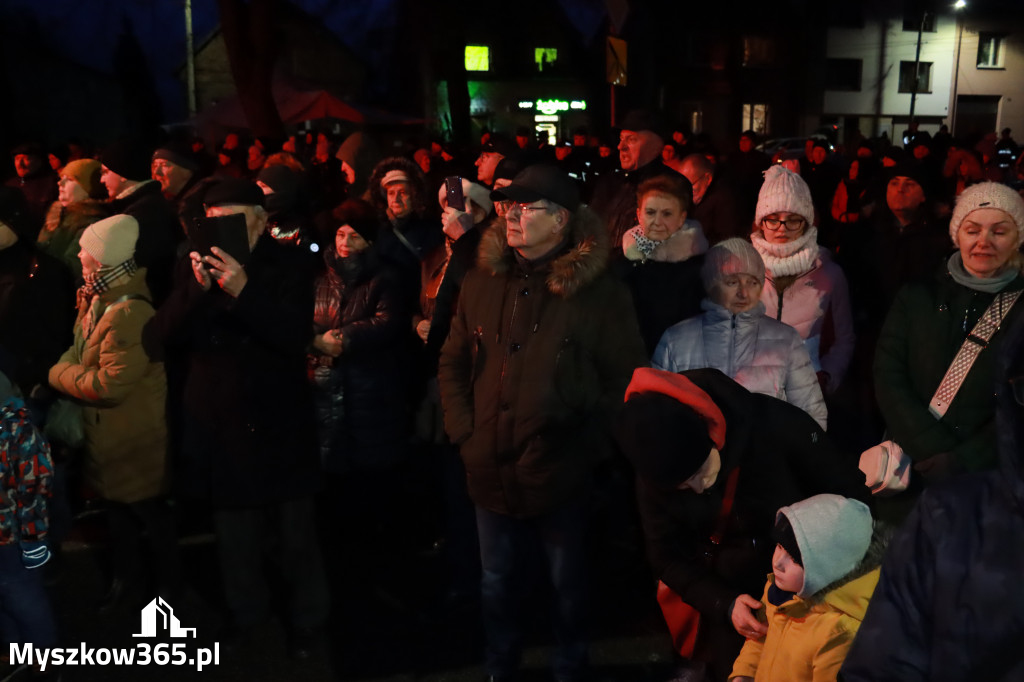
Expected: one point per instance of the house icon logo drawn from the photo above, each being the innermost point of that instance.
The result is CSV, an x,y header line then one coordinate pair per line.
x,y
158,617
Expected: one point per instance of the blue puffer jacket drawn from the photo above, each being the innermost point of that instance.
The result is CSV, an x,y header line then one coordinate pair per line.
x,y
762,355
950,603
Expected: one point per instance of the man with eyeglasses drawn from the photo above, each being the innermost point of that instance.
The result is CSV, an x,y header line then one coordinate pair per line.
x,y
714,202
541,349
641,141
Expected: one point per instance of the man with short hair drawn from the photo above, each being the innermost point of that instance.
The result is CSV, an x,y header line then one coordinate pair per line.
x,y
715,203
542,345
746,166
249,446
36,181
174,170
901,243
493,151
641,140
125,173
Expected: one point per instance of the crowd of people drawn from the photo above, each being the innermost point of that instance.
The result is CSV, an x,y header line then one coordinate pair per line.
x,y
293,336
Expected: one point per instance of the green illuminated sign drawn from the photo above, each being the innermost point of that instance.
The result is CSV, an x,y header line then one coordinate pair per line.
x,y
553,106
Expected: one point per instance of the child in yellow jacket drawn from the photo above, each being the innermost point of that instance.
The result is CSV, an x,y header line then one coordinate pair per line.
x,y
825,570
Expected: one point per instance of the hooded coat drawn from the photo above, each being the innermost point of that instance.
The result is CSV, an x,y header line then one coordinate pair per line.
x,y
63,228
817,304
925,329
950,602
362,407
762,354
783,456
808,639
122,392
539,353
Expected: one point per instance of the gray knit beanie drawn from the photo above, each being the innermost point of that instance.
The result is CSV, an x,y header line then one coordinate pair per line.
x,y
833,533
729,257
987,195
784,190
111,241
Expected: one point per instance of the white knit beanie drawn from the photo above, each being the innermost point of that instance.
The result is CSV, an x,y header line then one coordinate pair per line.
x,y
833,533
730,257
111,241
784,190
987,195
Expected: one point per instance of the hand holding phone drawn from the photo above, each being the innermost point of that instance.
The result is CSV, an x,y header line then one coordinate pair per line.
x,y
453,192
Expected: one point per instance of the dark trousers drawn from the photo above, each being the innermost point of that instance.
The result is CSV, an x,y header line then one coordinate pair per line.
x,y
25,612
140,528
508,548
287,531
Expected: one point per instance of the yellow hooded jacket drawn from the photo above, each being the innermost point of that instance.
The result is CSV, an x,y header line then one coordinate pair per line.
x,y
807,640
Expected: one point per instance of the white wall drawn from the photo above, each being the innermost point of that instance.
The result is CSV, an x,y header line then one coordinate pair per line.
x,y
866,44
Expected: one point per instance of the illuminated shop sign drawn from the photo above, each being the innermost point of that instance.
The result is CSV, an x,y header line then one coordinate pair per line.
x,y
549,107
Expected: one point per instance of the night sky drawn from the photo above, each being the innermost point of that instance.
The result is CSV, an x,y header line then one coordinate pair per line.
x,y
86,31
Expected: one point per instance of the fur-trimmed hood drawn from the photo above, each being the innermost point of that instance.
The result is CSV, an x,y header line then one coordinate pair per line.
x,y
74,217
584,258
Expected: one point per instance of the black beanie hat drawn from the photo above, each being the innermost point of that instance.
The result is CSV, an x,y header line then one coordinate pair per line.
x,y
235,192
666,441
360,216
914,170
783,534
179,152
128,158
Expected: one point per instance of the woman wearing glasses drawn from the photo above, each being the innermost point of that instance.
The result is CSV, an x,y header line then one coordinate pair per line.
x,y
803,287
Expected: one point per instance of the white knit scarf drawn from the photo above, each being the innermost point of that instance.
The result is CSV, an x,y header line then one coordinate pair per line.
x,y
792,258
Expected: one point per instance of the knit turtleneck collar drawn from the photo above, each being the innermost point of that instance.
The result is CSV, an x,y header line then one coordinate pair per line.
x,y
792,258
988,285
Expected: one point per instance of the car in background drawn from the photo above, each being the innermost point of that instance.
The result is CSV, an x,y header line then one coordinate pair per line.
x,y
783,148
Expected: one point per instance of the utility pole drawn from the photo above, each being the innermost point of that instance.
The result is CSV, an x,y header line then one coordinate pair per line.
x,y
917,66
190,61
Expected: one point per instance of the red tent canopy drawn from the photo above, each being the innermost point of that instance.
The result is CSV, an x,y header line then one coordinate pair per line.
x,y
296,106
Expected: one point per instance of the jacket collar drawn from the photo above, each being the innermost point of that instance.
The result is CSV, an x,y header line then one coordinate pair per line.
x,y
582,261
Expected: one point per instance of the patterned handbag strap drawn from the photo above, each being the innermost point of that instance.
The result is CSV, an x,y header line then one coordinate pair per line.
x,y
975,342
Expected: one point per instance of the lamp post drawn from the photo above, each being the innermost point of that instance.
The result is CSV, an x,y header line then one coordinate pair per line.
x,y
917,65
957,6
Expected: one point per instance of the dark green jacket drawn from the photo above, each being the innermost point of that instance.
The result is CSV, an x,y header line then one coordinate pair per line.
x,y
538,355
925,328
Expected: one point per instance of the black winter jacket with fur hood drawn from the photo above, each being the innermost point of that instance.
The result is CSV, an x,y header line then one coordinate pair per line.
x,y
539,353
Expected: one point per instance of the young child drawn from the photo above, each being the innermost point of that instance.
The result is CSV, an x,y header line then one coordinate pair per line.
x,y
825,570
25,475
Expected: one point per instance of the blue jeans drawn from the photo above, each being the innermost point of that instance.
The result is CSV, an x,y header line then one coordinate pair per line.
x,y
25,612
508,552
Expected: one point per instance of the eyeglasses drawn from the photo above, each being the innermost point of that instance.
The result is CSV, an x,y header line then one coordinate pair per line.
x,y
790,225
524,208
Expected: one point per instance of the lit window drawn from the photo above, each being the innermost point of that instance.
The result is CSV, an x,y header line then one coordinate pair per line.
x,y
924,77
478,58
755,117
544,56
758,51
990,51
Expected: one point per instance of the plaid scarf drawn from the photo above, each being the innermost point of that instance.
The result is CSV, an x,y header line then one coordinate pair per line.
x,y
104,278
